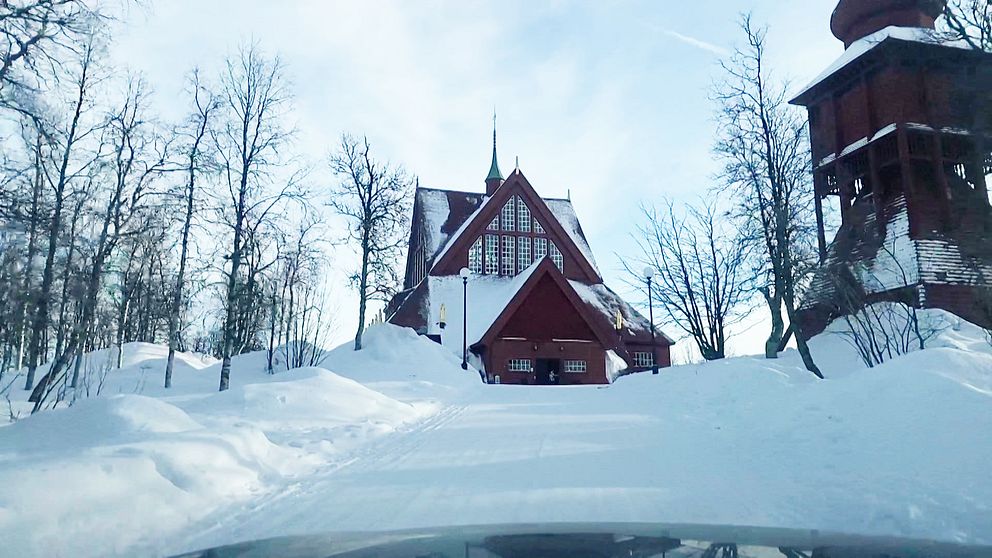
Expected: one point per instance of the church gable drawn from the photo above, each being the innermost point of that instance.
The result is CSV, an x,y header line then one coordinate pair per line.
x,y
546,307
546,314
511,230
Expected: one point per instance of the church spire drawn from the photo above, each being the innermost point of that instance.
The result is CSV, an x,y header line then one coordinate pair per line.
x,y
495,178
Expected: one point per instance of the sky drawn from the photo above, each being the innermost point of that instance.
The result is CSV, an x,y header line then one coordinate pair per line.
x,y
606,101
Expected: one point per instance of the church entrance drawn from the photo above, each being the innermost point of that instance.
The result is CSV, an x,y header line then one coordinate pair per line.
x,y
548,371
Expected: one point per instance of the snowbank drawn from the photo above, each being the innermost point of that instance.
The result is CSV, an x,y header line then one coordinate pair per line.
x,y
398,436
404,365
121,473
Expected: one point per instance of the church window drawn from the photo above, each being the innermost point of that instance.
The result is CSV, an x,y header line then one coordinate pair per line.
x,y
523,216
556,257
508,216
494,226
524,258
537,227
643,359
575,366
540,248
492,254
509,255
475,256
521,365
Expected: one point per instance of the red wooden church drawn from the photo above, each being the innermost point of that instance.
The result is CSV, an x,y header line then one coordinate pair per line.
x,y
537,309
899,142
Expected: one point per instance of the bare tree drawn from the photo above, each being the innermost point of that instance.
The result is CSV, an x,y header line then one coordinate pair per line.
x,y
374,197
704,281
195,132
969,21
254,102
136,159
882,329
64,150
765,150
30,29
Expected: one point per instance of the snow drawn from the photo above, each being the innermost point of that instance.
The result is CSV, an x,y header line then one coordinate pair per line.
x,y
461,229
399,436
488,296
866,44
564,211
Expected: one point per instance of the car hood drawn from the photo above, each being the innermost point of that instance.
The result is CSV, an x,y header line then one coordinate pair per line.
x,y
579,540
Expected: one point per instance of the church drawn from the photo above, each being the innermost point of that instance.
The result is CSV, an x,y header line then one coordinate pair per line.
x,y
506,280
899,127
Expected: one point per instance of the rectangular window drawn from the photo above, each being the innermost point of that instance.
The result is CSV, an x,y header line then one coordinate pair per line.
x,y
540,248
523,216
523,253
537,227
509,216
492,254
575,366
643,359
521,365
556,257
475,256
509,255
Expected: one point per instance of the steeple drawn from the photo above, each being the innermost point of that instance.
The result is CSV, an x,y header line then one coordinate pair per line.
x,y
855,19
495,178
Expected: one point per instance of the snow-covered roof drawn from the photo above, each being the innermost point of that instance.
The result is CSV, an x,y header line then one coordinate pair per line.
x,y
606,302
447,213
865,45
488,296
565,212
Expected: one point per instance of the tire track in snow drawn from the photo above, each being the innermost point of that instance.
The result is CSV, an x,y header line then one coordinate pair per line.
x,y
389,449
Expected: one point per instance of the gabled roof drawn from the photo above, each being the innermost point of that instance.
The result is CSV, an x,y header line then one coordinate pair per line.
x,y
490,295
444,212
863,47
569,238
526,283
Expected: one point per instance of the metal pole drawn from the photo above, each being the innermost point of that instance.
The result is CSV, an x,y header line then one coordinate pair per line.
x,y
654,345
464,323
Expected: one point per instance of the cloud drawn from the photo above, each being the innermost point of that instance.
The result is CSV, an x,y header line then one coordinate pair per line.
x,y
702,45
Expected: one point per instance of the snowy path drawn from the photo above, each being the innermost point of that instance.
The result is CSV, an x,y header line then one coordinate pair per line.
x,y
511,454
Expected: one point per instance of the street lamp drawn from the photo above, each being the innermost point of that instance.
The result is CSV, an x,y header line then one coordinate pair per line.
x,y
464,274
649,276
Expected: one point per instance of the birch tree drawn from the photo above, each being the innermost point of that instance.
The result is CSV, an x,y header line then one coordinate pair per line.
x,y
764,147
254,102
195,134
374,197
703,279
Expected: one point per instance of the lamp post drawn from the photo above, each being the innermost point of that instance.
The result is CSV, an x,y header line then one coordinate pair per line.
x,y
649,277
464,274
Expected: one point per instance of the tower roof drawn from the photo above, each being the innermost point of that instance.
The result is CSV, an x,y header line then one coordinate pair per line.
x,y
855,19
494,173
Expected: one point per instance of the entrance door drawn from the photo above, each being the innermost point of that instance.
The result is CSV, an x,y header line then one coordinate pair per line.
x,y
548,371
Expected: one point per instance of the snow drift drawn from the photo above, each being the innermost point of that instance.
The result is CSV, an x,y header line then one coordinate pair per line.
x,y
399,436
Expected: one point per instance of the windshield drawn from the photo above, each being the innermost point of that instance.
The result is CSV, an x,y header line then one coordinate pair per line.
x,y
349,270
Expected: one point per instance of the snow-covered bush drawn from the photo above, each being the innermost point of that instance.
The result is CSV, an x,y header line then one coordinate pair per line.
x,y
885,330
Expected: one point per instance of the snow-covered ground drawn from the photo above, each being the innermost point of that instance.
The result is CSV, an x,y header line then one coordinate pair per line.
x,y
399,436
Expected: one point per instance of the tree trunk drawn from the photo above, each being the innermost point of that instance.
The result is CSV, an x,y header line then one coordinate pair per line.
x,y
32,251
233,294
363,294
801,340
778,325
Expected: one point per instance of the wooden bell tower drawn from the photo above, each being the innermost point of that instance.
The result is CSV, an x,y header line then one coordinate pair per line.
x,y
899,127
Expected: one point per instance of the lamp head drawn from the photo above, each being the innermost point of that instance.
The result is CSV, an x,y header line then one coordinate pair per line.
x,y
464,273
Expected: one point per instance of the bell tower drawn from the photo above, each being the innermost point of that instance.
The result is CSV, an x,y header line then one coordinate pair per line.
x,y
899,151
